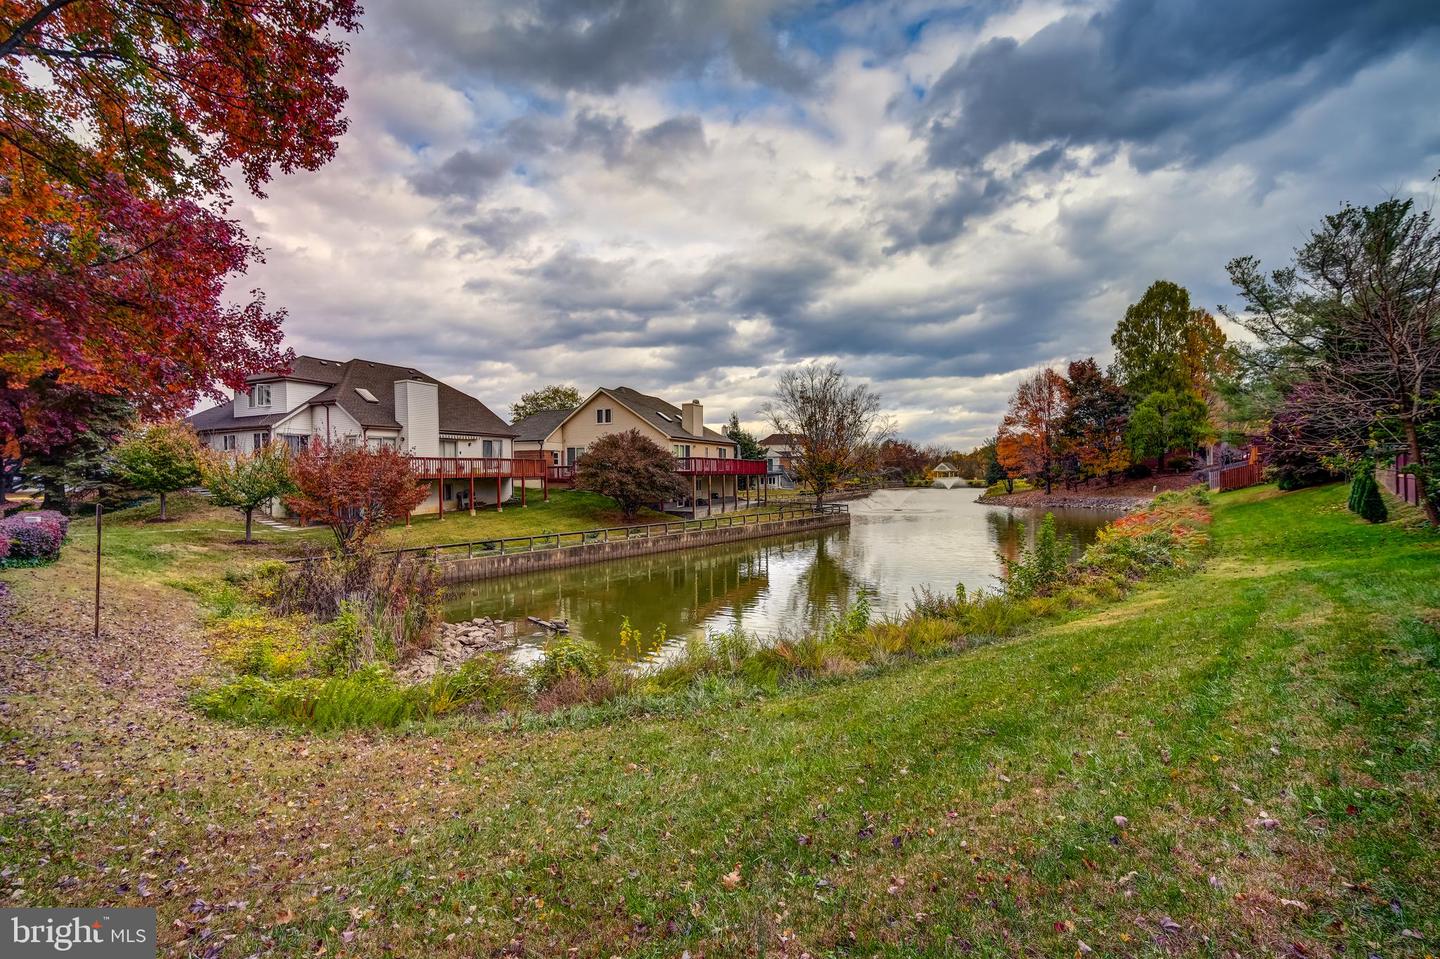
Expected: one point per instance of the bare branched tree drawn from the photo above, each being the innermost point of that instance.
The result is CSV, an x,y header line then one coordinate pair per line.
x,y
1357,322
834,423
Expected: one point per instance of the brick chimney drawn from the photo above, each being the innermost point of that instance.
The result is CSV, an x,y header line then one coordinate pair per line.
x,y
692,417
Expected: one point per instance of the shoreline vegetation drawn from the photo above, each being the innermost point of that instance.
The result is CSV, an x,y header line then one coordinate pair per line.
x,y
1236,760
338,669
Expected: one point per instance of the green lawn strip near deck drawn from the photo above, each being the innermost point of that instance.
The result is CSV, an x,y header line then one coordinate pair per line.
x,y
970,801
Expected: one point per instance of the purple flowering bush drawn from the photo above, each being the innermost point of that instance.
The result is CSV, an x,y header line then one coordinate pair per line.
x,y
33,535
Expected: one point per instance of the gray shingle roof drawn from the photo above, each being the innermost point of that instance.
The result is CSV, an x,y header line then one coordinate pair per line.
x,y
459,412
535,427
651,408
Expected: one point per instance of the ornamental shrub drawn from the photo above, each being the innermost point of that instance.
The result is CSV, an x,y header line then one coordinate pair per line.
x,y
4,546
34,535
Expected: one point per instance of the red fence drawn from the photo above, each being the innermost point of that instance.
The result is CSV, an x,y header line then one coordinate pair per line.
x,y
1400,483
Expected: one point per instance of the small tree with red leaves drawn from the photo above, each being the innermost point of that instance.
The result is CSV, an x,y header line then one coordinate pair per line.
x,y
355,490
630,469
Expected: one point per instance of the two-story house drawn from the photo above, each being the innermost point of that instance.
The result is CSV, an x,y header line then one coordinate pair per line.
x,y
709,460
459,446
782,450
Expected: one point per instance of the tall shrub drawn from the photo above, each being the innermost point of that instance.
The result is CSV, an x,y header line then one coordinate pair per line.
x,y
355,490
1042,566
1365,499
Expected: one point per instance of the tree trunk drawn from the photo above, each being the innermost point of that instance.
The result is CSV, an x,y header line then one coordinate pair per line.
x,y
54,494
162,506
1412,440
249,512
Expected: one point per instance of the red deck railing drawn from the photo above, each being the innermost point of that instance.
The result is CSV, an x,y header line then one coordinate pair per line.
x,y
685,466
710,466
476,467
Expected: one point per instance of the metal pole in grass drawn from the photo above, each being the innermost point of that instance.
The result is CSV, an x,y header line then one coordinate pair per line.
x,y
99,529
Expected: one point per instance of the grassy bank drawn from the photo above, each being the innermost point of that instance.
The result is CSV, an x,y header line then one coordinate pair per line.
x,y
1240,761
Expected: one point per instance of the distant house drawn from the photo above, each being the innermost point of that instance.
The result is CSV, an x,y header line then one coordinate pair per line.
x,y
782,452
454,438
709,459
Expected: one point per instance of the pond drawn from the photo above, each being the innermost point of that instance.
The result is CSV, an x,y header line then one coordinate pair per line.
x,y
898,541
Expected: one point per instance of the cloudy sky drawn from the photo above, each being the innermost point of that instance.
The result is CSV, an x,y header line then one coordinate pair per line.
x,y
686,197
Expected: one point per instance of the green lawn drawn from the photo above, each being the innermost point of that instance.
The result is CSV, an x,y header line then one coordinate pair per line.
x,y
200,540
1265,730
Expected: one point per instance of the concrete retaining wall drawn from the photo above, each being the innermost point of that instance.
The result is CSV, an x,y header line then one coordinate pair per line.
x,y
491,567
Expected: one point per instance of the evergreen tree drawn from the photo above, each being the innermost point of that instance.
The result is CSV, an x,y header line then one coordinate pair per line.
x,y
1365,499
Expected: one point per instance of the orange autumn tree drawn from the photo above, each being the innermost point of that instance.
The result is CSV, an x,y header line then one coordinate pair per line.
x,y
118,121
355,490
1030,442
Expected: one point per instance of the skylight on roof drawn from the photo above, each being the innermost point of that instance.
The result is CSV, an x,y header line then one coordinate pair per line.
x,y
663,416
366,395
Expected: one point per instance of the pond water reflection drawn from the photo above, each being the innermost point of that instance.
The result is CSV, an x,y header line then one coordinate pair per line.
x,y
898,540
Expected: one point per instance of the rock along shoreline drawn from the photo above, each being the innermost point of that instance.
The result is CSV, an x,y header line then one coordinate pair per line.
x,y
1031,499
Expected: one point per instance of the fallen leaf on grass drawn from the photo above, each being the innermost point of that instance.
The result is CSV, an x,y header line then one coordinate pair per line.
x,y
732,878
1121,821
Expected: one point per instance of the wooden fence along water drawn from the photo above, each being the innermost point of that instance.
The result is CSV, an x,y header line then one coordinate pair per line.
x,y
1396,480
1237,477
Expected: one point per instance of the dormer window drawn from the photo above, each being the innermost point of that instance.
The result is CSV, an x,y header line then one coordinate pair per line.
x,y
259,395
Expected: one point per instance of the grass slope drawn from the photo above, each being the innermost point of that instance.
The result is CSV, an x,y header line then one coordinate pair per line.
x,y
1265,729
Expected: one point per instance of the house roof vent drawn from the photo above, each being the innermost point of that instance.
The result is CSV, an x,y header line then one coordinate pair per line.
x,y
366,395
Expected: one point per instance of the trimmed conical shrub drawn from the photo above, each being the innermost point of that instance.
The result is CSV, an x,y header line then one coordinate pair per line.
x,y
1365,500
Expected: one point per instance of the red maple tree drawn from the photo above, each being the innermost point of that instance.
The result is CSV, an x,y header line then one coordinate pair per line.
x,y
118,121
355,490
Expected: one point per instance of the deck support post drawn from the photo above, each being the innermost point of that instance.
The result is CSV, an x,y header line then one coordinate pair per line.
x,y
440,489
498,507
523,483
545,485
472,489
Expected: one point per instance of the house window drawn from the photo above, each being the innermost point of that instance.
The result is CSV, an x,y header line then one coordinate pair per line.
x,y
257,441
681,450
720,453
227,442
259,396
296,443
487,448
384,442
449,448
573,453
602,416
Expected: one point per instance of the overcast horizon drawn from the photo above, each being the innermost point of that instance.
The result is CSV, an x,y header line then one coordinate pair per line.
x,y
687,198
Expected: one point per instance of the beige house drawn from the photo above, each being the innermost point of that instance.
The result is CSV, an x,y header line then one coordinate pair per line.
x,y
707,458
